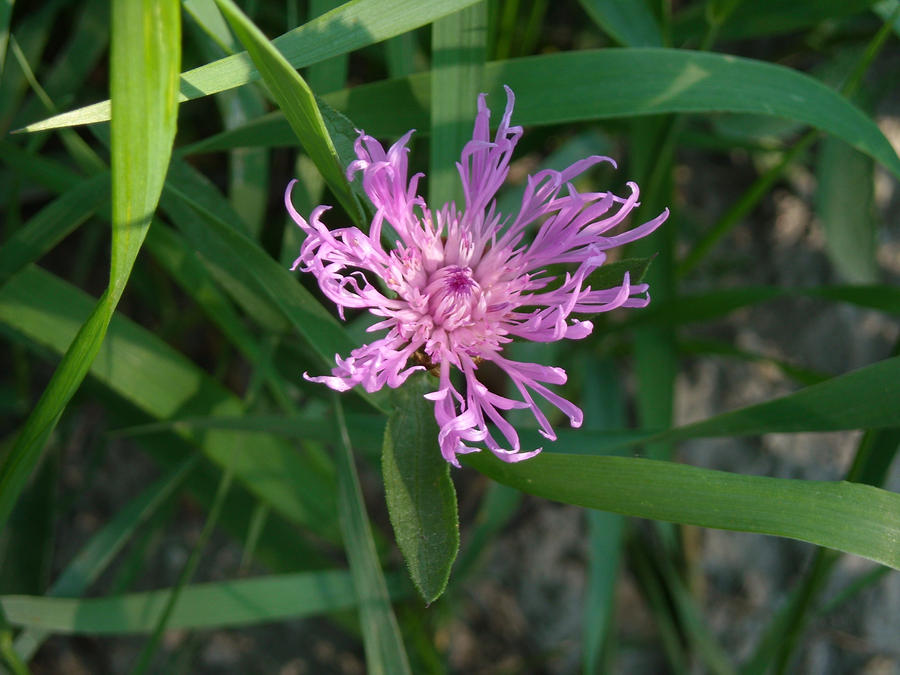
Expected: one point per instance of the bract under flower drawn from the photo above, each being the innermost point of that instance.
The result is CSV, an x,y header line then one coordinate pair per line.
x,y
464,283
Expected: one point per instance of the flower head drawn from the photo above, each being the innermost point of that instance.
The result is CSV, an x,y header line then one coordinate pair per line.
x,y
458,285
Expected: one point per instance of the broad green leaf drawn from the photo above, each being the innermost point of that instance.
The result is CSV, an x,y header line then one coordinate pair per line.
x,y
575,86
849,517
845,205
201,606
145,61
458,54
96,556
351,26
163,383
631,23
385,654
296,100
419,492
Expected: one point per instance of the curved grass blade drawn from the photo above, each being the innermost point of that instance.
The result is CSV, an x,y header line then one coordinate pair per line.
x,y
351,26
385,654
163,383
200,606
51,224
99,552
146,57
575,86
849,517
296,100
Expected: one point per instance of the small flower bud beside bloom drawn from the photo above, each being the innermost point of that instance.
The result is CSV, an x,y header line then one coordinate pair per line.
x,y
465,283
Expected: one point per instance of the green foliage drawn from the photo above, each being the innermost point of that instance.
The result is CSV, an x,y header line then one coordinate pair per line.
x,y
200,370
420,496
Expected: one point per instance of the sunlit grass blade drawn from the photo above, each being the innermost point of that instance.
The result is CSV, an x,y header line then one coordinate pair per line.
x,y
201,606
96,555
296,100
385,653
161,382
351,26
87,40
631,23
458,54
331,74
849,517
146,59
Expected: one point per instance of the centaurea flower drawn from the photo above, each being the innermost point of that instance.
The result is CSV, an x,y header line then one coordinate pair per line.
x,y
465,283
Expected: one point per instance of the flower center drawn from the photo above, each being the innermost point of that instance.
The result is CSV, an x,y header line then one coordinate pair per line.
x,y
454,297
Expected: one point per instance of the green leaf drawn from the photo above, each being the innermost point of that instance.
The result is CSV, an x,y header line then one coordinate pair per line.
x,y
849,517
163,383
385,654
5,13
575,86
768,17
458,54
200,606
418,489
145,61
354,25
845,205
611,274
296,100
631,23
52,223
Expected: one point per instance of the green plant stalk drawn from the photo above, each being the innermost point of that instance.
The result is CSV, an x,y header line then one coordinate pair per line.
x,y
385,654
146,656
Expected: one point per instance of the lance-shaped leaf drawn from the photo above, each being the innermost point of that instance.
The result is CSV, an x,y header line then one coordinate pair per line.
x,y
420,496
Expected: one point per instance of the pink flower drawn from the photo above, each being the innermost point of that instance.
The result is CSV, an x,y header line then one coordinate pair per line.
x,y
459,285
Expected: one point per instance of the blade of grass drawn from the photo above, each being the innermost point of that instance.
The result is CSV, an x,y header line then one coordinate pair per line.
x,y
52,224
162,383
849,517
631,23
145,658
458,54
146,57
385,654
331,74
98,553
5,14
201,606
351,26
296,100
